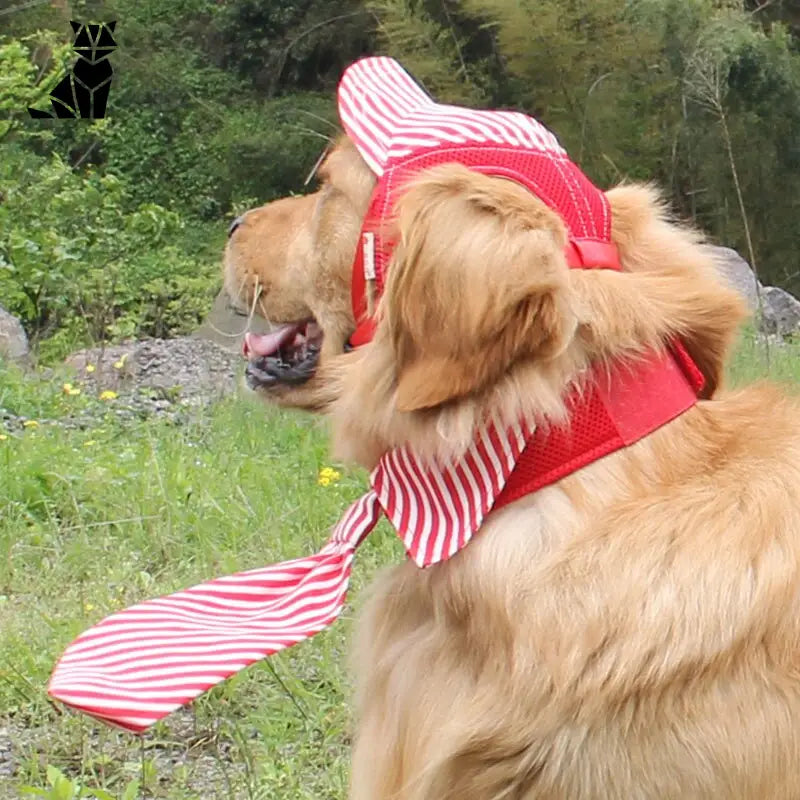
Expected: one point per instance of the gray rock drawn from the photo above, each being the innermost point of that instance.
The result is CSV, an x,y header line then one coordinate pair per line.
x,y
7,760
185,368
781,312
13,341
174,379
738,273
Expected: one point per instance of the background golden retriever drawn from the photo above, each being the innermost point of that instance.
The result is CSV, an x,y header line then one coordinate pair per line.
x,y
632,631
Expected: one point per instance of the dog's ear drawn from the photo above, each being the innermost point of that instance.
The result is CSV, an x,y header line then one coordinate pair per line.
x,y
478,280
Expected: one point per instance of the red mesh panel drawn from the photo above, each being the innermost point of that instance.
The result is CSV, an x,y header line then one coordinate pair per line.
x,y
555,180
552,454
618,407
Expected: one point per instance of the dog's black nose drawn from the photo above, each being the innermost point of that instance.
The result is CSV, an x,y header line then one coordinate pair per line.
x,y
234,225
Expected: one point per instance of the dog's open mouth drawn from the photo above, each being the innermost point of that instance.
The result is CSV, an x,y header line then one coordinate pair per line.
x,y
286,355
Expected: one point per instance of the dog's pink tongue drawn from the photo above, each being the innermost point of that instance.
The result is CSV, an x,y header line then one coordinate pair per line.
x,y
267,344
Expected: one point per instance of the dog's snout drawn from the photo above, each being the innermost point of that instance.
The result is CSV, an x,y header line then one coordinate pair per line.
x,y
234,225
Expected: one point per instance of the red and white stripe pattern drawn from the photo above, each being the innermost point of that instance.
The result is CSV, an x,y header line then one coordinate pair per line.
x,y
389,116
436,510
138,665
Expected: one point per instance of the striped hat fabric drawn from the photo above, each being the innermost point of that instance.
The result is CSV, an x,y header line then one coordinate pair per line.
x,y
389,118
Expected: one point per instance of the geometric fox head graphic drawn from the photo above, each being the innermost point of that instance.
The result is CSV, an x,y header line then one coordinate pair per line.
x,y
93,43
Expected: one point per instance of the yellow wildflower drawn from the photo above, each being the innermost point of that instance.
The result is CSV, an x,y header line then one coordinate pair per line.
x,y
66,388
327,476
88,607
121,363
90,367
30,423
108,395
3,437
89,443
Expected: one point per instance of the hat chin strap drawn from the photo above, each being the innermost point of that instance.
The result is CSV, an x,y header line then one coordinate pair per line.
x,y
141,663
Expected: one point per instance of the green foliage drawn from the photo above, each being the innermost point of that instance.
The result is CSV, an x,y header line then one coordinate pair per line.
x,y
301,44
203,164
75,266
22,84
60,787
84,257
274,162
427,39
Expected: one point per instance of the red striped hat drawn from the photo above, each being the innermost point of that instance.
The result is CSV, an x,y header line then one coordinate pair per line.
x,y
399,130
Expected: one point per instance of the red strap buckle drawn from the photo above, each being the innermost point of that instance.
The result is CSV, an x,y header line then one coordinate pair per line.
x,y
592,254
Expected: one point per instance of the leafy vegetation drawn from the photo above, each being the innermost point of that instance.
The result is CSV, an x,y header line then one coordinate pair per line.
x,y
92,520
76,266
114,229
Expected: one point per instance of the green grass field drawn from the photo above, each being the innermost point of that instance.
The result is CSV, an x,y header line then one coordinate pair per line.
x,y
93,520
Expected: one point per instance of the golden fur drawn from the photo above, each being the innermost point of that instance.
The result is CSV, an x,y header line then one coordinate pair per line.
x,y
630,632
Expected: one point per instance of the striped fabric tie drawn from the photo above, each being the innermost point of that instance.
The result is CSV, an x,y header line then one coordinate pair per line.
x,y
138,665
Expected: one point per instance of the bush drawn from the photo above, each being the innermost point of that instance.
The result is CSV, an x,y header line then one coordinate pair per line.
x,y
76,267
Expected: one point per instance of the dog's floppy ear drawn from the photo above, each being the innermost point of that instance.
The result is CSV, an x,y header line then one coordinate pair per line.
x,y
478,280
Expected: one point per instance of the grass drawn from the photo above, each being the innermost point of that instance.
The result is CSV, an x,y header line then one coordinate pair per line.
x,y
93,520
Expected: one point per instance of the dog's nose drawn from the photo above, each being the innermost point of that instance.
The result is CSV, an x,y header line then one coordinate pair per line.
x,y
234,225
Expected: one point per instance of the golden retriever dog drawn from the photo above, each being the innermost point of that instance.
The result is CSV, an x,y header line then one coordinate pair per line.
x,y
631,631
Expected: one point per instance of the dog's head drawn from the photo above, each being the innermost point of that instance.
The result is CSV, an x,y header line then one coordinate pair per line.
x,y
482,314
479,304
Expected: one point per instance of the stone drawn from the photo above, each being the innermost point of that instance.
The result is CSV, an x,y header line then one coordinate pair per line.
x,y
737,273
186,367
781,312
13,341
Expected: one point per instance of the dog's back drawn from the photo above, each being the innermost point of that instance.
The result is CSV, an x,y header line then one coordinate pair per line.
x,y
630,633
